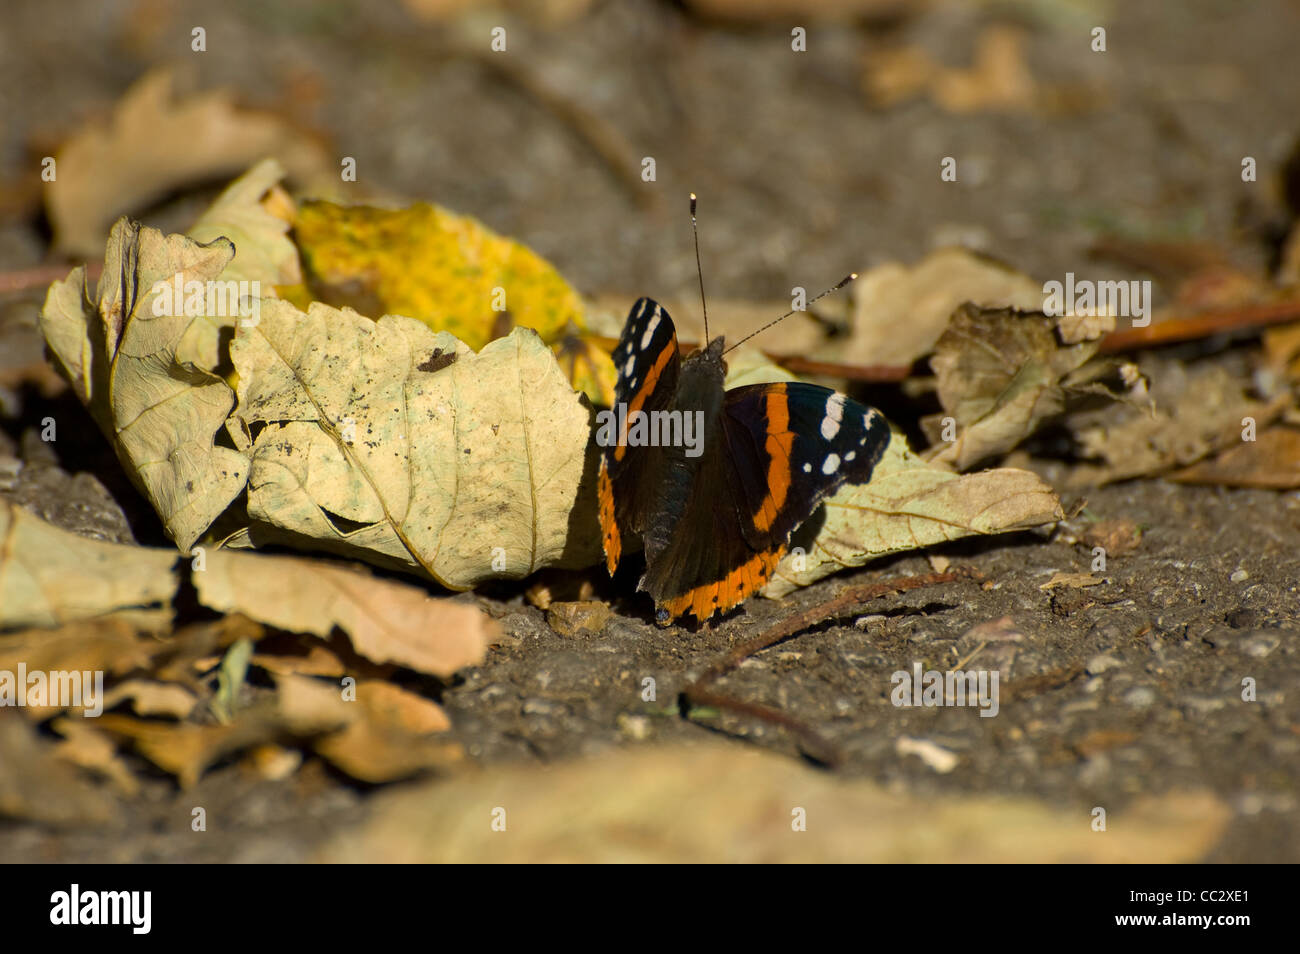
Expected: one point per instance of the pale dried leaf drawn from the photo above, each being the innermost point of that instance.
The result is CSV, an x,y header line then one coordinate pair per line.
x,y
155,144
910,504
385,621
49,576
146,372
471,471
900,311
627,807
999,374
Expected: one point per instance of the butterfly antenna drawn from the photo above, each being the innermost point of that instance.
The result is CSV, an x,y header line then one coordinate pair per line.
x,y
834,288
695,232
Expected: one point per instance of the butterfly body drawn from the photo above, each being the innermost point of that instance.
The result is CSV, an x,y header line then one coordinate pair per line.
x,y
714,508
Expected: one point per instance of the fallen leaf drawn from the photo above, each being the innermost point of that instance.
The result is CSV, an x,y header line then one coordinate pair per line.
x,y
627,807
146,372
1116,537
38,785
150,698
1271,461
1198,410
385,621
254,214
998,79
154,145
910,504
899,312
999,374
472,471
49,576
449,271
187,750
388,732
86,747
1072,580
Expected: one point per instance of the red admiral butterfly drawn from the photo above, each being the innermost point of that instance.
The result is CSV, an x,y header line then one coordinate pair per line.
x,y
716,502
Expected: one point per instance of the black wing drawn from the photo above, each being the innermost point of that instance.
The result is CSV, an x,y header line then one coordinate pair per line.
x,y
792,445
648,361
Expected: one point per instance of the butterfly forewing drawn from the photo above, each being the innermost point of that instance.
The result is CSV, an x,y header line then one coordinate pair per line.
x,y
647,361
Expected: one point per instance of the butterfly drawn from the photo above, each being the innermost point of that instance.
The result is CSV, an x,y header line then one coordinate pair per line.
x,y
713,482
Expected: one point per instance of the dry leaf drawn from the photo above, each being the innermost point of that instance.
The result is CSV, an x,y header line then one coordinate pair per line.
x,y
1271,461
148,379
627,807
385,621
150,698
910,504
153,146
111,645
49,576
999,78
470,471
38,785
900,311
1198,409
387,731
86,747
1116,537
1072,580
449,271
187,750
1000,373
251,215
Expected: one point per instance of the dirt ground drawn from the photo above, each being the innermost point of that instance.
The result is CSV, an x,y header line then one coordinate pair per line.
x,y
799,182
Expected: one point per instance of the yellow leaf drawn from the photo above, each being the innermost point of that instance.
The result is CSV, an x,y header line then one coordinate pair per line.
x,y
449,271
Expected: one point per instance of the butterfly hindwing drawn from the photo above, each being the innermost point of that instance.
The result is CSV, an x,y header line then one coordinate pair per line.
x,y
792,445
648,361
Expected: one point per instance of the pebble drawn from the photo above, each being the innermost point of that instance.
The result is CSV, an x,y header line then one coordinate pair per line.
x,y
1139,697
1239,576
1260,645
1100,663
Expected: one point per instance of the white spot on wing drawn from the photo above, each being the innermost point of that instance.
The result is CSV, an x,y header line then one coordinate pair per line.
x,y
807,468
834,414
850,455
650,331
631,363
831,464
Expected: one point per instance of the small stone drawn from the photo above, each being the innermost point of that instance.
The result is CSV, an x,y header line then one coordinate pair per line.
x,y
1260,645
635,727
1140,697
543,707
1243,617
1239,576
572,619
1204,705
1100,663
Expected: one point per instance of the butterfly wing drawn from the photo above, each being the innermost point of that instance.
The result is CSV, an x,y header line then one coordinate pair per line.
x,y
781,450
648,362
792,445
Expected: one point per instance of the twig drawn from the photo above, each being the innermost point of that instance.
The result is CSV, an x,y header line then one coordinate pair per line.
x,y
25,278
697,692
1193,327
